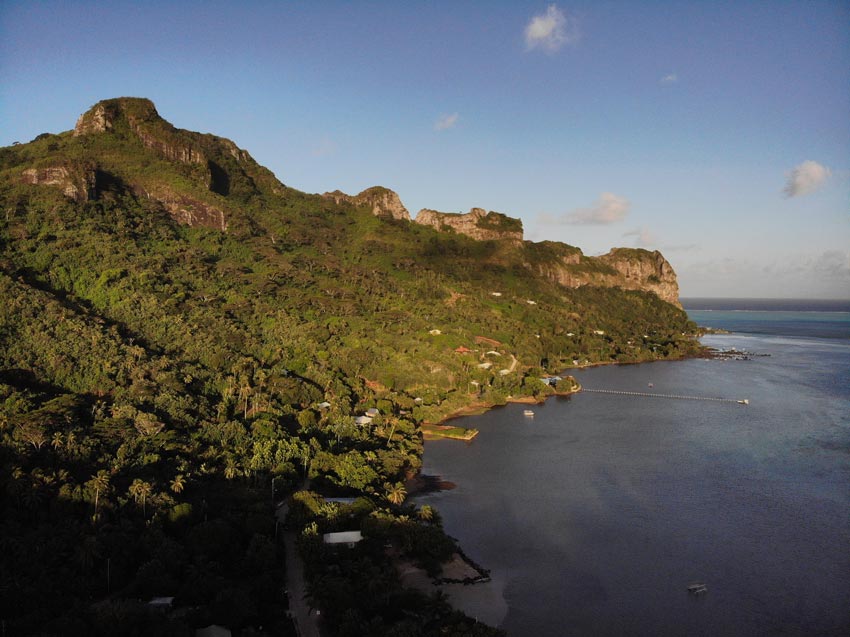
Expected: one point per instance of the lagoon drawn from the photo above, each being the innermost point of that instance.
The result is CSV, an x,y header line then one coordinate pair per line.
x,y
596,514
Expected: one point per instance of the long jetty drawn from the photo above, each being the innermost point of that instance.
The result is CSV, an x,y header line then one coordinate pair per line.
x,y
674,396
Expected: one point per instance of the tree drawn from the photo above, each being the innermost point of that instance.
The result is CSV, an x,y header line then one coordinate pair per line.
x,y
231,469
426,513
100,483
32,433
178,483
141,490
396,493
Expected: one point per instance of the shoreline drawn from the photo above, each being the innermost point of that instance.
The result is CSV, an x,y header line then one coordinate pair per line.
x,y
478,408
420,484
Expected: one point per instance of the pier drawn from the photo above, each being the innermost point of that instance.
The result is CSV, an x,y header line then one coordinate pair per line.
x,y
674,396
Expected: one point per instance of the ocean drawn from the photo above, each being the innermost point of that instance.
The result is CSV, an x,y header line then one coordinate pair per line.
x,y
595,514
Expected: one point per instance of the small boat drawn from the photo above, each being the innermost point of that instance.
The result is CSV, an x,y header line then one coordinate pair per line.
x,y
528,412
697,588
744,401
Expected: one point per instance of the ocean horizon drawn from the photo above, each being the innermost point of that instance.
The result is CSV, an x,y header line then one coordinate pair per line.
x,y
744,304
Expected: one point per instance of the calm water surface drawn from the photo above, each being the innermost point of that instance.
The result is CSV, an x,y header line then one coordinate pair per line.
x,y
595,514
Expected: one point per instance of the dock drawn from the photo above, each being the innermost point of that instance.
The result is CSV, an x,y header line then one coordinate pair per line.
x,y
643,394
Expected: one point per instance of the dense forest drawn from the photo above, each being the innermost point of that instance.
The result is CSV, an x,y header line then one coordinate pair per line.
x,y
185,343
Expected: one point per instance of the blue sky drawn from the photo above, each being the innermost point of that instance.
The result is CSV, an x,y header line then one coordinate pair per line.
x,y
716,132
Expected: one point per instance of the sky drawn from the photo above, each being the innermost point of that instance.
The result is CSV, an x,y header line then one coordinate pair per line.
x,y
715,132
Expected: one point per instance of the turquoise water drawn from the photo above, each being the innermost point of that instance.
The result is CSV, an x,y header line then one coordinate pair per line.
x,y
811,319
596,513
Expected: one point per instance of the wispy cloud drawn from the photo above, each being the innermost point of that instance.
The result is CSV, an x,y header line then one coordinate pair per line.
x,y
608,209
805,178
809,275
643,237
446,121
550,30
832,265
670,78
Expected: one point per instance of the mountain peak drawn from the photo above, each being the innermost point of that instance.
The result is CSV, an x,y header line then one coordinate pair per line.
x,y
103,116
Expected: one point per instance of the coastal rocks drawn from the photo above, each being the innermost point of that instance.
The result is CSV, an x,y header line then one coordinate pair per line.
x,y
477,223
383,202
76,181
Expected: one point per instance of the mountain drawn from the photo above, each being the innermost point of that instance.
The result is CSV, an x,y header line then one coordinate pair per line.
x,y
183,336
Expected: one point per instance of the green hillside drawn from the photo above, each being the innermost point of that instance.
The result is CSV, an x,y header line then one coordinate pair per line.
x,y
174,323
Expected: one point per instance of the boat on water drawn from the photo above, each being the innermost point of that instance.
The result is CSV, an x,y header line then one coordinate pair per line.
x,y
744,401
528,412
697,588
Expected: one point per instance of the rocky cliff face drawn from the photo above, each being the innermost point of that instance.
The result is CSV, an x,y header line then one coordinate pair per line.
x,y
187,210
217,178
644,270
626,268
477,223
215,162
144,121
383,202
76,181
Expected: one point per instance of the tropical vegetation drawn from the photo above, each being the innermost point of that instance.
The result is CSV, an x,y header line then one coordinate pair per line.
x,y
165,385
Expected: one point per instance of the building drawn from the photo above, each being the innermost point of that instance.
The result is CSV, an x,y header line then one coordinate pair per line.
x,y
348,538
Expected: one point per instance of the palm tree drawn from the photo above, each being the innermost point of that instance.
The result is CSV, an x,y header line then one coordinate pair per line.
x,y
58,440
425,513
396,493
99,482
178,483
231,469
392,431
141,489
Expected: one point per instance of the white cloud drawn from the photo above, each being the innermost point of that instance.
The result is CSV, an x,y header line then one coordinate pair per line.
x,y
609,208
446,121
644,237
550,31
805,178
670,78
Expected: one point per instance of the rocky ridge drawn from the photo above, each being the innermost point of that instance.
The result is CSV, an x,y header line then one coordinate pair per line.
x,y
216,164
477,223
382,201
144,121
